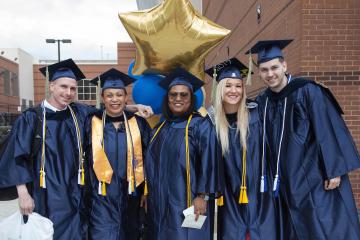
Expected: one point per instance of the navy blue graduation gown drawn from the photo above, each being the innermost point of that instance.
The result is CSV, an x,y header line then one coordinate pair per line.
x,y
166,176
62,200
258,216
114,216
316,146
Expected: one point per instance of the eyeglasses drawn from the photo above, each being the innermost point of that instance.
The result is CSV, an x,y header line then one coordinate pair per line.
x,y
174,95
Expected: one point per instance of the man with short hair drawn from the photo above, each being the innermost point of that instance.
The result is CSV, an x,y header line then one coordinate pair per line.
x,y
50,179
309,151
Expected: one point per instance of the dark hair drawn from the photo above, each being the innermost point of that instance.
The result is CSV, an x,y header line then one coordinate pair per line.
x,y
102,91
168,115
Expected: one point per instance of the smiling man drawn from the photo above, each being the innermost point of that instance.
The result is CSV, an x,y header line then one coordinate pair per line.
x,y
310,152
50,178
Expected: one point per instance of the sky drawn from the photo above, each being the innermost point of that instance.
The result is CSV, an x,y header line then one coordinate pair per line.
x,y
92,25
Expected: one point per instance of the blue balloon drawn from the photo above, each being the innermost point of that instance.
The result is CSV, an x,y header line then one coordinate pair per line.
x,y
147,91
199,98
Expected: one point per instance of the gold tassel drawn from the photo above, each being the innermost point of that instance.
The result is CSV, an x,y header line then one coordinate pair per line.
x,y
47,83
82,177
146,191
248,79
213,88
98,90
220,201
103,188
42,179
243,199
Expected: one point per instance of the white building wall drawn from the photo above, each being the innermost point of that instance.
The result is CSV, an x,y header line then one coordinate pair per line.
x,y
26,76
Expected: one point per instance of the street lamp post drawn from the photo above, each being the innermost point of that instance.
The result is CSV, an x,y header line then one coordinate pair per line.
x,y
58,43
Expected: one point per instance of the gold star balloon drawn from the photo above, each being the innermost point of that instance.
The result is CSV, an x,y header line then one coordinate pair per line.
x,y
171,34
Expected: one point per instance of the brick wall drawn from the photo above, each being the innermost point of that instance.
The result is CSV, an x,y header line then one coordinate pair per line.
x,y
331,54
125,52
326,46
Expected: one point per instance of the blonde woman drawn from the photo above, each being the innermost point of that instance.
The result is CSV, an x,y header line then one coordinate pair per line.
x,y
243,211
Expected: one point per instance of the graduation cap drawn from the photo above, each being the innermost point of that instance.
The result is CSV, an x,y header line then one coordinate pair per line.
x,y
231,68
113,78
269,49
66,68
180,76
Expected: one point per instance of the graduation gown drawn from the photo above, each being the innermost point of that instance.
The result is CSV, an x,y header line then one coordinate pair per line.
x,y
166,176
258,216
62,200
316,146
115,216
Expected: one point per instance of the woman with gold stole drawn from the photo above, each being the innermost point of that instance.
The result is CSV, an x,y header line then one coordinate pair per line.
x,y
116,142
244,212
180,163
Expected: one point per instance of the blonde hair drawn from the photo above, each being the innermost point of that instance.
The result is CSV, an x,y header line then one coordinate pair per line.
x,y
221,123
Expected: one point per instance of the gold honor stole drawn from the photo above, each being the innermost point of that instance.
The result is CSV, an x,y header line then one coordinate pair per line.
x,y
102,167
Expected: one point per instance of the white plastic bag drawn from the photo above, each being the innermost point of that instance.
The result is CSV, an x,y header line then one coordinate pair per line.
x,y
36,228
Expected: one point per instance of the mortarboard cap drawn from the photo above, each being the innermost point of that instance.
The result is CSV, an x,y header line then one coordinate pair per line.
x,y
231,68
269,49
179,76
66,68
113,78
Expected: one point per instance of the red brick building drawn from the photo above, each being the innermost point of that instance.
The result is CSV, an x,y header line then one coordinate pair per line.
x,y
326,45
125,53
9,89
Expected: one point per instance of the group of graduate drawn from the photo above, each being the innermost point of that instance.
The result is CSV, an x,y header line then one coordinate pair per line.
x,y
277,166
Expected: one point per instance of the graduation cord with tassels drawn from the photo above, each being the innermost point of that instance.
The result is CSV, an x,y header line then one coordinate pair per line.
x,y
42,161
81,171
102,184
276,184
263,181
146,191
132,182
188,182
213,88
243,198
187,151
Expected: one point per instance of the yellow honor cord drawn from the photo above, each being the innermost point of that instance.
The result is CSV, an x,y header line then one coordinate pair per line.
x,y
157,131
243,199
188,183
42,161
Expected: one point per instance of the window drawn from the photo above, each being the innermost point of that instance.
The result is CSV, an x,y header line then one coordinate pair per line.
x,y
86,90
10,82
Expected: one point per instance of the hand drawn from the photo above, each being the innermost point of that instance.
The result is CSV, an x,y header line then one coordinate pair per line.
x,y
199,207
143,202
332,183
144,111
26,203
